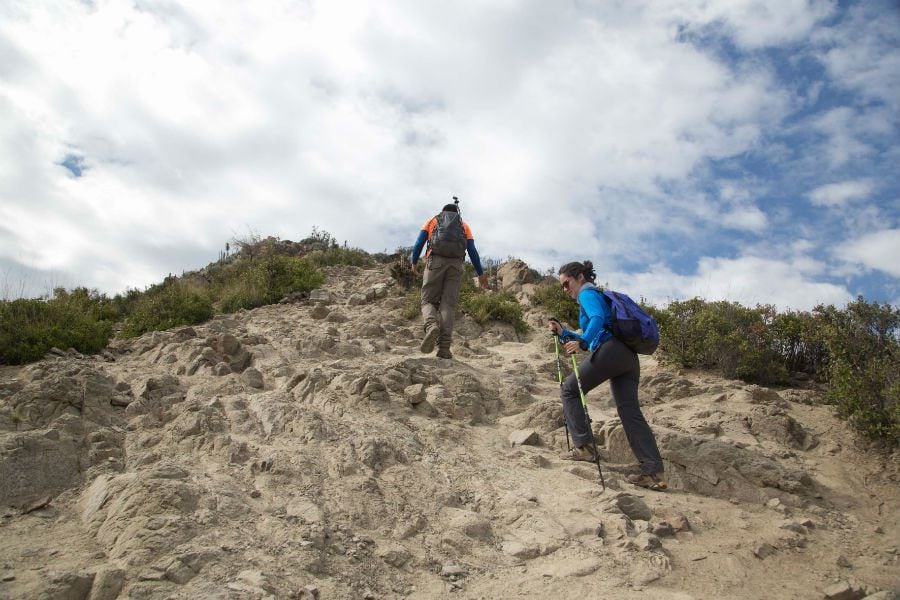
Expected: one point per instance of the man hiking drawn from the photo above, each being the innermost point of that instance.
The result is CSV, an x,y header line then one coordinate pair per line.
x,y
611,360
448,238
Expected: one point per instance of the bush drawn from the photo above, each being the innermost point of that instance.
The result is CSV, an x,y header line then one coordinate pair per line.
x,y
340,256
552,297
484,307
167,305
797,340
412,308
248,284
29,328
401,269
864,369
720,336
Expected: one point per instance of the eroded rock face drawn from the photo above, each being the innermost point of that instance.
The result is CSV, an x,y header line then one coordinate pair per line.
x,y
61,423
55,388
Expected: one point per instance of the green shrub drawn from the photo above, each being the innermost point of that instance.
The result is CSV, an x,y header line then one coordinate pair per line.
x,y
412,307
864,365
558,303
484,307
248,284
340,256
29,328
720,336
167,305
797,340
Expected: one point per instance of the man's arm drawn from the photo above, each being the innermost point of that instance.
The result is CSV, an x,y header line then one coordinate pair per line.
x,y
417,247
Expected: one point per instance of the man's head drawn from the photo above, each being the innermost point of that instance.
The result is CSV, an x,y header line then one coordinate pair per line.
x,y
450,208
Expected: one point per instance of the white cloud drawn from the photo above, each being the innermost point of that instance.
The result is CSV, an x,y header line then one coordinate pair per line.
x,y
756,23
567,130
862,52
840,194
749,280
879,250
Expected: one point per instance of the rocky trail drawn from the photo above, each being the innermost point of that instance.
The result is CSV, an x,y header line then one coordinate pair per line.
x,y
308,450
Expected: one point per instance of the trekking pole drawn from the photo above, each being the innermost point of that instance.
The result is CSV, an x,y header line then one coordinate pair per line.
x,y
559,375
587,417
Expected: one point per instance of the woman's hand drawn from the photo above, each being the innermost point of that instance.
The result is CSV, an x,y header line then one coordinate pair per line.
x,y
572,347
555,327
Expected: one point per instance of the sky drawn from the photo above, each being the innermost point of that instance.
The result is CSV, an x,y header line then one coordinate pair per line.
x,y
744,150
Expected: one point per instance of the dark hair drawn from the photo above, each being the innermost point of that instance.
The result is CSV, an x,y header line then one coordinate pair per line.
x,y
450,208
574,269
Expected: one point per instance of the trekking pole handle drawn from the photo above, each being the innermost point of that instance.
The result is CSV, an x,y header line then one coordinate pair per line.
x,y
555,320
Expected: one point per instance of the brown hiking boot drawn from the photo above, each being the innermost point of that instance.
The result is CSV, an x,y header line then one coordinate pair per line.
x,y
444,353
430,339
650,481
584,453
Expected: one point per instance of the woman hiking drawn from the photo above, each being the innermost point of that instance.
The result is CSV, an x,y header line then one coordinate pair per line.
x,y
610,360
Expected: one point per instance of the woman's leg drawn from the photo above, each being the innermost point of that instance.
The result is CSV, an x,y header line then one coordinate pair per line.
x,y
637,430
604,363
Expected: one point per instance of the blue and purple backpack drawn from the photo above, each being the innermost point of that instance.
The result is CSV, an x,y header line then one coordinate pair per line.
x,y
630,324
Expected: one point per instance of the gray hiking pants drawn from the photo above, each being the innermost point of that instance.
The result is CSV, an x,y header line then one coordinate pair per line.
x,y
617,363
440,293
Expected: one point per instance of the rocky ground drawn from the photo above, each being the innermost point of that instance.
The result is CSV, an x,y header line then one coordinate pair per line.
x,y
308,450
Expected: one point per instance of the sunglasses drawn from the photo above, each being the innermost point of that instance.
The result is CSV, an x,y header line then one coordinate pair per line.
x,y
565,285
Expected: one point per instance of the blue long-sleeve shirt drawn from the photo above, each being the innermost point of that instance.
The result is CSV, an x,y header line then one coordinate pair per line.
x,y
470,249
593,318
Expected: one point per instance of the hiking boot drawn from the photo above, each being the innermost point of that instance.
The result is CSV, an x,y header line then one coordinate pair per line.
x,y
430,339
650,481
444,353
584,453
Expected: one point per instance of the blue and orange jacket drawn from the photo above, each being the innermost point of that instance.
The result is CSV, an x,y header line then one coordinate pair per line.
x,y
425,235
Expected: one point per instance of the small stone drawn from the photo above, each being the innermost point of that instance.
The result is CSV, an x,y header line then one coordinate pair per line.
x,y
309,592
763,550
221,369
319,312
646,541
414,394
253,378
255,494
523,437
356,300
320,295
8,577
843,562
680,523
451,569
634,507
844,591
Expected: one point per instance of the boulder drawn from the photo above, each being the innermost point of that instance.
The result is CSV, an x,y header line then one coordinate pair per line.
x,y
513,274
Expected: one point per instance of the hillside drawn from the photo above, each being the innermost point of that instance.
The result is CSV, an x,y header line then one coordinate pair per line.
x,y
308,450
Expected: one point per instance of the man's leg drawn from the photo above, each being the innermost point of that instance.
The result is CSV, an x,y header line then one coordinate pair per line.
x,y
449,299
432,290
